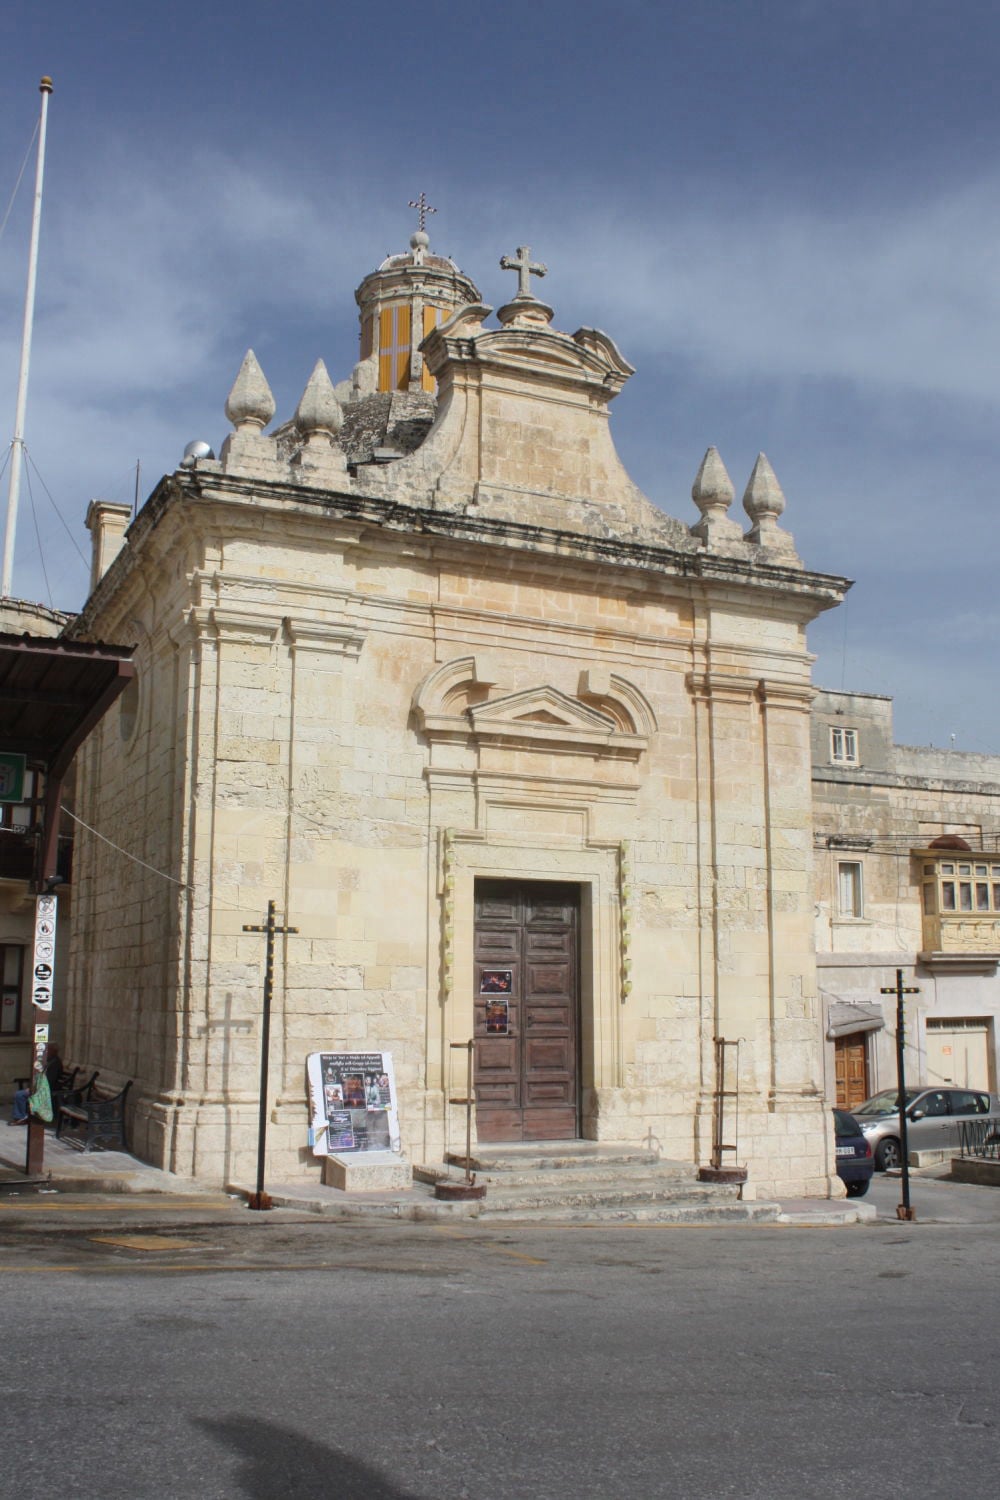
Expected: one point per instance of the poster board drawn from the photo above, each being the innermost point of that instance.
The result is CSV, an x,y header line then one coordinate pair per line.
x,y
352,1103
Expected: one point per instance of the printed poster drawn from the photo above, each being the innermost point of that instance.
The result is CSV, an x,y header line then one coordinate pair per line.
x,y
352,1098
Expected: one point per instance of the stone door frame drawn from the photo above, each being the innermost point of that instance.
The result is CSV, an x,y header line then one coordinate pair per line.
x,y
599,869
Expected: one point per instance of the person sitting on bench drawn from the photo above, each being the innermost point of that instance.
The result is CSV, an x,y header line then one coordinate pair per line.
x,y
52,1067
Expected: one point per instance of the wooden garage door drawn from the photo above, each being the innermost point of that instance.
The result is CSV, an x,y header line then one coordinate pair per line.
x,y
959,1052
526,1011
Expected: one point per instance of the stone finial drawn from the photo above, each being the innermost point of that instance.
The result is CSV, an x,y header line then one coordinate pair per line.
x,y
764,502
318,413
250,404
713,494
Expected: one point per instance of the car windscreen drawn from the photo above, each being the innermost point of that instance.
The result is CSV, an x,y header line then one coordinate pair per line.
x,y
845,1124
885,1103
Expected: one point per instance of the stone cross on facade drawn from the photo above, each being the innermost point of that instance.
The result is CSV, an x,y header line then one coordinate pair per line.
x,y
423,209
525,267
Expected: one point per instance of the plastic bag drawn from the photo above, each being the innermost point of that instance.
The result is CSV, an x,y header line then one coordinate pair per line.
x,y
40,1102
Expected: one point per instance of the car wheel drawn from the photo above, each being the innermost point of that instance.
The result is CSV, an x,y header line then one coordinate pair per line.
x,y
888,1155
857,1189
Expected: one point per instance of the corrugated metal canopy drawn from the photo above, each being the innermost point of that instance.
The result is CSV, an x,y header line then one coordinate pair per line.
x,y
54,692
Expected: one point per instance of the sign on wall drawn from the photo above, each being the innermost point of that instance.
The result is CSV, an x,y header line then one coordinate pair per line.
x,y
352,1098
44,959
12,769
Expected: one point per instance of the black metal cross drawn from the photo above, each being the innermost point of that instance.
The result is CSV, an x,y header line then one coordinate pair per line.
x,y
260,1199
525,267
423,209
899,989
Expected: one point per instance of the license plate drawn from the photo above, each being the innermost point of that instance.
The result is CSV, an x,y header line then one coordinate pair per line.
x,y
845,1150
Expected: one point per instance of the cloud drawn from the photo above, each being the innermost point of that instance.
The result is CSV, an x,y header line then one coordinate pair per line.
x,y
157,274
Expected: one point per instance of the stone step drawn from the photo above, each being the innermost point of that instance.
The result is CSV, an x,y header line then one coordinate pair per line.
x,y
570,1156
733,1212
583,1195
599,1177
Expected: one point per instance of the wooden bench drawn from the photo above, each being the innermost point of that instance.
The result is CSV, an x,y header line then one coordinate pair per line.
x,y
97,1121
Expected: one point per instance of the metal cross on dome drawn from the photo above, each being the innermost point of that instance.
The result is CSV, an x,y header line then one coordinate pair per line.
x,y
525,267
423,209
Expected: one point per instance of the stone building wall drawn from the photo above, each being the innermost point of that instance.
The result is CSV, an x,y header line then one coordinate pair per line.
x,y
362,689
899,799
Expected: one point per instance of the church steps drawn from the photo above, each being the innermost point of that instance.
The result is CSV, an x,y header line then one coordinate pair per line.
x,y
567,1156
558,1181
733,1211
586,1182
603,1195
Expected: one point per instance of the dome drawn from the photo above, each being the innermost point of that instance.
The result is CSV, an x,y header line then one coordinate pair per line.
x,y
400,303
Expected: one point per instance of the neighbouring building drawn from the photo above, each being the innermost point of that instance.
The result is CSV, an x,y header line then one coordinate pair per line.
x,y
52,693
426,668
18,858
907,876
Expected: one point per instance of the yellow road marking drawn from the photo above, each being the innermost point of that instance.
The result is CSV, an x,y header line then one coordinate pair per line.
x,y
454,1234
120,1268
145,1241
106,1206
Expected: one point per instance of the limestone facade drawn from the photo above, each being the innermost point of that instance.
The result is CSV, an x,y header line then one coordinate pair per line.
x,y
887,898
365,684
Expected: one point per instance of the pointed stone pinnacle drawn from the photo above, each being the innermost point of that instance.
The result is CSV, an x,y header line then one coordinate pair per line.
x,y
763,498
712,488
318,409
250,404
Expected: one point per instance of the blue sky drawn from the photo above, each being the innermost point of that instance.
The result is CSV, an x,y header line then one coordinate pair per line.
x,y
786,214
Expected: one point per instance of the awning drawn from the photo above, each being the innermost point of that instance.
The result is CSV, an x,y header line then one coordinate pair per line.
x,y
54,692
843,1018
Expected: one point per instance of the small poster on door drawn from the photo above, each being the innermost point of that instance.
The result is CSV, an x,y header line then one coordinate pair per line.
x,y
497,1018
496,981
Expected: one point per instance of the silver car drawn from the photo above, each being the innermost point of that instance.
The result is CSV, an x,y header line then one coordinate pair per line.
x,y
933,1118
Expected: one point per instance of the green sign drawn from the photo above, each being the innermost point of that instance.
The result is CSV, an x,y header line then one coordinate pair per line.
x,y
12,769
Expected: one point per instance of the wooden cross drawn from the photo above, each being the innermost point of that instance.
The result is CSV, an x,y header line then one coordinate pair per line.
x,y
525,267
423,209
899,989
260,1199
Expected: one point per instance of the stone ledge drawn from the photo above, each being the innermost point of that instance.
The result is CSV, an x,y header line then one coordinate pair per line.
x,y
370,1172
982,1173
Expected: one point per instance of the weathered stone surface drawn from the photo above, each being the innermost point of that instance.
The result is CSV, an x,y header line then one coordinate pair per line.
x,y
368,1172
490,658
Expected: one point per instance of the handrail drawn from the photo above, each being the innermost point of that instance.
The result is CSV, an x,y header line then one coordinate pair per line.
x,y
980,1138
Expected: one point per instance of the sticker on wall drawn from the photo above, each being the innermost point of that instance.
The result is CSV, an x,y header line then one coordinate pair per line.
x,y
496,981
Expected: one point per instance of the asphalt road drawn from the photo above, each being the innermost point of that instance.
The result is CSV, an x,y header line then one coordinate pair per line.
x,y
201,1352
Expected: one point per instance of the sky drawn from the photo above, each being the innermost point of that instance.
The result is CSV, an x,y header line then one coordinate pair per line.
x,y
785,212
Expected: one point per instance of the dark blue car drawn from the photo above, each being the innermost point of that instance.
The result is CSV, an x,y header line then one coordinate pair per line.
x,y
855,1163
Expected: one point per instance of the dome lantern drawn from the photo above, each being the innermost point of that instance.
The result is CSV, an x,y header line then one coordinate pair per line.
x,y
402,301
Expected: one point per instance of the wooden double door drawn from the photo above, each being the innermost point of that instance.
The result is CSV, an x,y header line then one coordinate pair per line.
x,y
527,1011
851,1069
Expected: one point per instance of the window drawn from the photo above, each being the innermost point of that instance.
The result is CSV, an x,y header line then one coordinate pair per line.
x,y
11,966
850,902
956,886
844,746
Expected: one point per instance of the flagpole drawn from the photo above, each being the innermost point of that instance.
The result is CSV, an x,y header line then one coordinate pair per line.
x,y
17,443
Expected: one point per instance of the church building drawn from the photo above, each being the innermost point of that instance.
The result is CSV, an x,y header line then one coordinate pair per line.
x,y
520,758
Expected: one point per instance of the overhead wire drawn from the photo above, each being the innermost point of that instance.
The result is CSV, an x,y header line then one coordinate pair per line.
x,y
38,537
215,902
17,184
62,519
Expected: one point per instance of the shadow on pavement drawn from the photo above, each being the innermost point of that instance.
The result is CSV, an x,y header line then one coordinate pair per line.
x,y
279,1461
